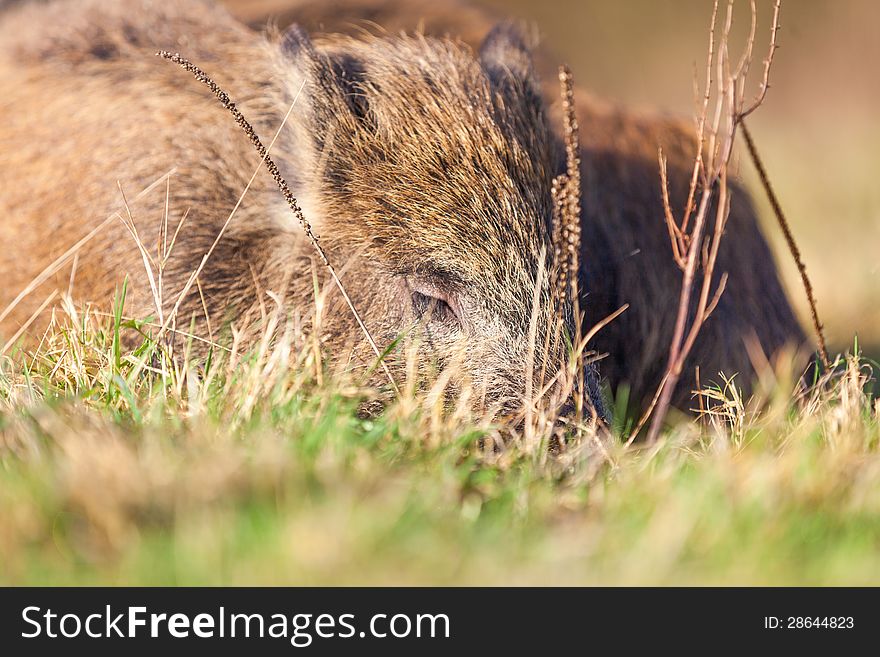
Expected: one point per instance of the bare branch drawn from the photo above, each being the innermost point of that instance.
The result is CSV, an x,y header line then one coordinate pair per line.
x,y
768,62
792,245
715,144
675,235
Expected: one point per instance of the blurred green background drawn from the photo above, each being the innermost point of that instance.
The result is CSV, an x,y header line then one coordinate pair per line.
x,y
818,130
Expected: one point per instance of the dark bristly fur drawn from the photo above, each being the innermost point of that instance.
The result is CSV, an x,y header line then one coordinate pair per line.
x,y
425,165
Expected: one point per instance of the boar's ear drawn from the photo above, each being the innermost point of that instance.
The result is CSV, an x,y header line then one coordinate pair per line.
x,y
328,113
295,43
330,85
309,73
506,56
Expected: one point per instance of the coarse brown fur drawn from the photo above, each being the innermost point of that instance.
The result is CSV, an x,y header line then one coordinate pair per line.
x,y
424,164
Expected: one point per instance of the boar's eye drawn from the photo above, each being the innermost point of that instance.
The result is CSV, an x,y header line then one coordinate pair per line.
x,y
434,308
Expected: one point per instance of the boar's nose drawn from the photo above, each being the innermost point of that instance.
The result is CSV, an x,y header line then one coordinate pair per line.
x,y
568,414
589,391
568,409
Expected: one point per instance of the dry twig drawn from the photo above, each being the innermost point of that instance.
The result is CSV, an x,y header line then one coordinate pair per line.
x,y
792,245
716,135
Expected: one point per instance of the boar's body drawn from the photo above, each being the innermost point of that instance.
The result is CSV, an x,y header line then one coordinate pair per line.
x,y
425,168
627,259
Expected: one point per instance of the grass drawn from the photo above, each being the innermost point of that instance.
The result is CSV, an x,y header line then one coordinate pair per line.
x,y
119,465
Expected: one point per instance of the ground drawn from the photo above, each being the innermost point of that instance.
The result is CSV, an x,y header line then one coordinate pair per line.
x,y
119,467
